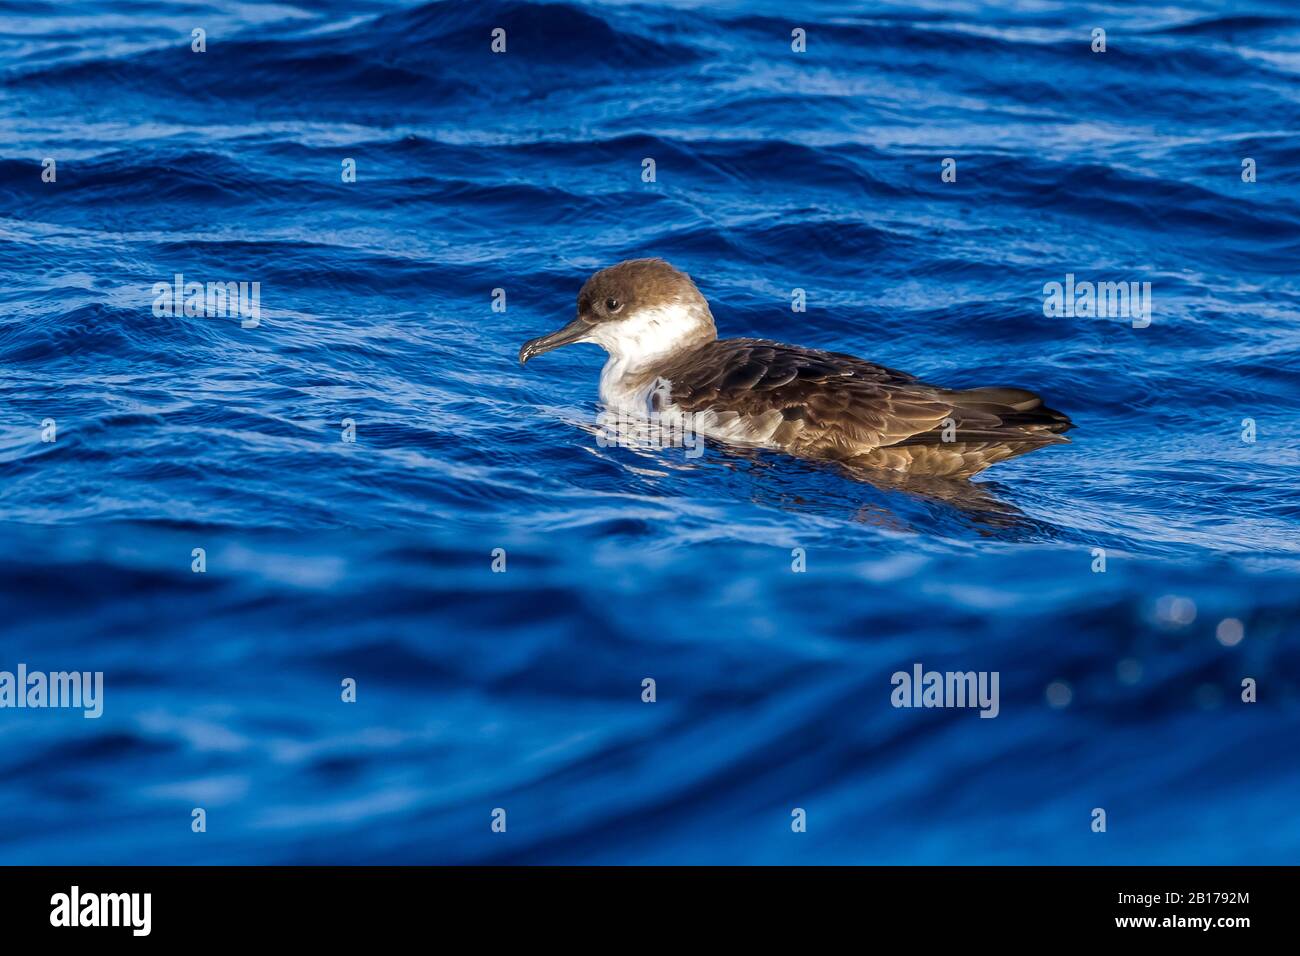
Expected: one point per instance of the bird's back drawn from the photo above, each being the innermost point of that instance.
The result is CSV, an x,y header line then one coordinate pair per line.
x,y
829,405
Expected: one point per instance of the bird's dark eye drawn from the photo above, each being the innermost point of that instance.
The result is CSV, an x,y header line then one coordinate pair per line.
x,y
613,305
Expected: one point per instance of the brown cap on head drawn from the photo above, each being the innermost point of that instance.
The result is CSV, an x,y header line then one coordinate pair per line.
x,y
623,290
632,285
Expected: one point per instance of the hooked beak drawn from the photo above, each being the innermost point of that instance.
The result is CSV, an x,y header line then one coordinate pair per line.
x,y
575,331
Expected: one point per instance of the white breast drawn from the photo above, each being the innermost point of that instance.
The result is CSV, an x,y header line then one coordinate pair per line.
x,y
623,388
648,338
626,389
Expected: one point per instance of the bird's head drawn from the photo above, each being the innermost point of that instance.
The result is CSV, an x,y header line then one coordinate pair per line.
x,y
639,311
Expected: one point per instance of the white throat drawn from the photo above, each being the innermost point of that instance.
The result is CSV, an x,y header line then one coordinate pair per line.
x,y
644,339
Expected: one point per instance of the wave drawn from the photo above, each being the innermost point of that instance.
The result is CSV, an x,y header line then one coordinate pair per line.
x,y
1230,26
542,32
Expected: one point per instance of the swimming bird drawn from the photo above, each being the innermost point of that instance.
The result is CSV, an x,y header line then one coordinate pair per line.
x,y
665,357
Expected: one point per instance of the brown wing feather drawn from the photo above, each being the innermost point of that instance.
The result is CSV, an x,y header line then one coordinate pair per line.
x,y
838,406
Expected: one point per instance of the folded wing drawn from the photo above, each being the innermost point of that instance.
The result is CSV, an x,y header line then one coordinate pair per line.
x,y
836,406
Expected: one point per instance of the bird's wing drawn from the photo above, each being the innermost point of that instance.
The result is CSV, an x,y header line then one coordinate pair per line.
x,y
830,405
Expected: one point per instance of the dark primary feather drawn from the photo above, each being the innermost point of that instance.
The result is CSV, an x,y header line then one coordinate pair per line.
x,y
840,407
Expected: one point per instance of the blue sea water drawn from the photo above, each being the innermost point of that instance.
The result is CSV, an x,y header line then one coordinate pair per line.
x,y
522,690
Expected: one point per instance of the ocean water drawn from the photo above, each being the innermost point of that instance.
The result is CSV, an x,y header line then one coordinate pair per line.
x,y
372,560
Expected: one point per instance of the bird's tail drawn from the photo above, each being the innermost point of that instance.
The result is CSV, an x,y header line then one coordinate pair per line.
x,y
987,425
1012,414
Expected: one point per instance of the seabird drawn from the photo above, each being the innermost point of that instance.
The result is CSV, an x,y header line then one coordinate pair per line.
x,y
665,357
